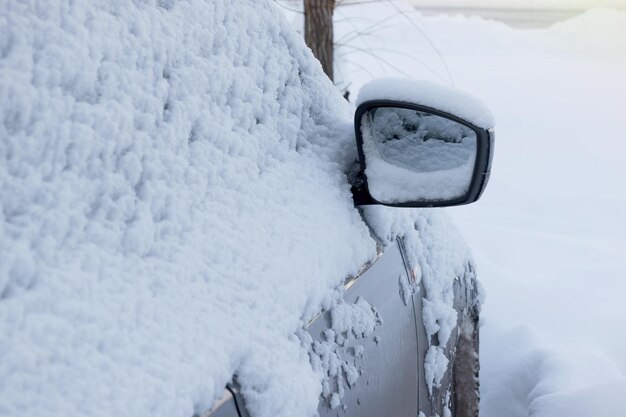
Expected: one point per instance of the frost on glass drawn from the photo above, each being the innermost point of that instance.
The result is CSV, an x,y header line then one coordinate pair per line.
x,y
416,156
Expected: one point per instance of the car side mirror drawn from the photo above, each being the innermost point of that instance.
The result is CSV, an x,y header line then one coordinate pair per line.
x,y
421,144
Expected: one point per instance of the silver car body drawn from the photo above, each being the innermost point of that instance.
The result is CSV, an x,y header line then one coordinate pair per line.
x,y
391,364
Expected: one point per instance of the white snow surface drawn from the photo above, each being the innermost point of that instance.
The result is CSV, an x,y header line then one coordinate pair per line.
x,y
431,94
174,207
352,324
358,318
435,366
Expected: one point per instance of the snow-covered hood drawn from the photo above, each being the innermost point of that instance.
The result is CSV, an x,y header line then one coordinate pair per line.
x,y
173,201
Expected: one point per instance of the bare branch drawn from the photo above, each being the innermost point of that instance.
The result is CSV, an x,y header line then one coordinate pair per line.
x,y
371,52
279,3
432,44
355,3
361,67
371,27
356,30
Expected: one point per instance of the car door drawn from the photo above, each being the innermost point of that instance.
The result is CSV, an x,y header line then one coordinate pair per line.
x,y
375,375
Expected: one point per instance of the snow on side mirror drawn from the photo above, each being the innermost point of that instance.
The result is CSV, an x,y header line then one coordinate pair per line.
x,y
421,144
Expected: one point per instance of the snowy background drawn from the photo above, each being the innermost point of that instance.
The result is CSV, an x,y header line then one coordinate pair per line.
x,y
549,235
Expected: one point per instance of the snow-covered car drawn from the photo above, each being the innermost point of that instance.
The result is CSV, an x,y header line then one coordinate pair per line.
x,y
413,152
192,224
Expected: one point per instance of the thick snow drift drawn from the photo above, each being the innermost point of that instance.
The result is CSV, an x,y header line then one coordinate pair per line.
x,y
173,205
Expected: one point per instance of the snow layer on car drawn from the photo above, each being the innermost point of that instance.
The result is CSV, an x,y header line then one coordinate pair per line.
x,y
431,94
174,206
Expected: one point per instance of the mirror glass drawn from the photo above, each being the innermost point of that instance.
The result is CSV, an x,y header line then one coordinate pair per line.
x,y
416,156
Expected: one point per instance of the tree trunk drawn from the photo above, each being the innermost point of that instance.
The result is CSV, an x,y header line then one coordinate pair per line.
x,y
318,31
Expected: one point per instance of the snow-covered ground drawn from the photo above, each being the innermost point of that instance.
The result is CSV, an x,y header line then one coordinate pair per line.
x,y
549,235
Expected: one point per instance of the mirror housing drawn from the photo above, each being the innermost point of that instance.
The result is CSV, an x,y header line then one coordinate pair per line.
x,y
437,158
